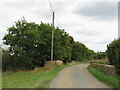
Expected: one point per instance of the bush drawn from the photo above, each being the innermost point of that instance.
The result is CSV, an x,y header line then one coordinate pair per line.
x,y
100,55
113,53
101,61
6,60
30,45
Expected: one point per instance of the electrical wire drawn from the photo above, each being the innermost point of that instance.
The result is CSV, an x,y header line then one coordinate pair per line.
x,y
55,15
58,22
51,6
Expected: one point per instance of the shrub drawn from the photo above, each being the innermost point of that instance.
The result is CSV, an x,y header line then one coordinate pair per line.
x,y
101,61
113,54
100,55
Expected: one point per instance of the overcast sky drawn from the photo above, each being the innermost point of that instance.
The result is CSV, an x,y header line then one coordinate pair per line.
x,y
92,22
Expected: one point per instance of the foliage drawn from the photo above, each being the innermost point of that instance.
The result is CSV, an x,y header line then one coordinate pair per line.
x,y
101,61
100,55
113,54
111,80
30,45
6,60
81,52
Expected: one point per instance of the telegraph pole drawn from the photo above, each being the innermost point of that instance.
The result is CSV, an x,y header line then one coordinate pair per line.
x,y
52,37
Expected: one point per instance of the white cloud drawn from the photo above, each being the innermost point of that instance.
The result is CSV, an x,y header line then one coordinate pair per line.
x,y
95,33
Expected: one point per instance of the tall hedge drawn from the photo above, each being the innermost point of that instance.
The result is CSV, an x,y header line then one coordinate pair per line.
x,y
113,53
30,45
100,55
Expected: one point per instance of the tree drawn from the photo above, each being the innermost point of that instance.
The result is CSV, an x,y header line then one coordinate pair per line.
x,y
100,55
23,40
113,54
81,52
30,45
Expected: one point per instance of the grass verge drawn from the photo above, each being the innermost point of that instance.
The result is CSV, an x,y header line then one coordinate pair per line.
x,y
110,80
29,79
0,80
39,78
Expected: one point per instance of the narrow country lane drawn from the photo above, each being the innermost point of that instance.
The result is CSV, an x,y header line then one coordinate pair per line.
x,y
76,77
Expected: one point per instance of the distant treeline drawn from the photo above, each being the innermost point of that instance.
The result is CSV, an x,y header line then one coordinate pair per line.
x,y
30,46
113,53
100,55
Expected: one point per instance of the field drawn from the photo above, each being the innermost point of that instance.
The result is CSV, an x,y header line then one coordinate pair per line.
x,y
110,80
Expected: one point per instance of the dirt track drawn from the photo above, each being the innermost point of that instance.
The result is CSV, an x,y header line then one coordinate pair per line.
x,y
76,77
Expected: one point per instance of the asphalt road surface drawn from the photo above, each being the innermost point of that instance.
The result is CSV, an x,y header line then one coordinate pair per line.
x,y
76,77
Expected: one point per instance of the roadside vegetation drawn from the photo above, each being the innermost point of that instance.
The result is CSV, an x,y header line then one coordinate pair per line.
x,y
101,61
30,46
110,80
100,58
100,55
113,54
30,79
37,78
110,57
0,80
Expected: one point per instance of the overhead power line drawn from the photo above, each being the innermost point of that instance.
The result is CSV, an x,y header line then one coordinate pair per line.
x,y
58,22
55,15
51,6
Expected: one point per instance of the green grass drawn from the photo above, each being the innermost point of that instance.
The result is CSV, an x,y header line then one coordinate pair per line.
x,y
77,62
73,63
29,79
39,78
110,80
0,79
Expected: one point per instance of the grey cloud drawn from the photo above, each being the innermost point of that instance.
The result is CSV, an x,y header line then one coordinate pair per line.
x,y
44,14
99,10
103,42
88,32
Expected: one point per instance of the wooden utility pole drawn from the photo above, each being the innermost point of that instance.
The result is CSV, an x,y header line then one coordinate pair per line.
x,y
52,37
